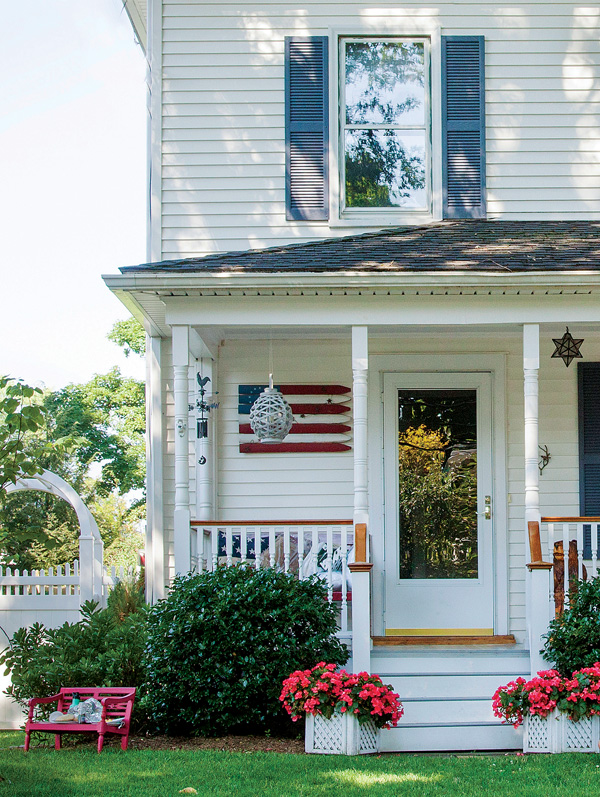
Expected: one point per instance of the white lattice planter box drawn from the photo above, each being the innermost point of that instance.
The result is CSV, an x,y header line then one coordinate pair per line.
x,y
556,733
340,735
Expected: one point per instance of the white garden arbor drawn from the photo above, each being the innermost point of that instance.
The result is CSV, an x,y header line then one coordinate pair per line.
x,y
91,547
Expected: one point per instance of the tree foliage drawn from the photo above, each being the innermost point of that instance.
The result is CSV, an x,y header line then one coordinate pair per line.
x,y
21,417
92,435
129,335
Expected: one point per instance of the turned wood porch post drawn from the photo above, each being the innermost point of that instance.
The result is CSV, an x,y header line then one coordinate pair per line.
x,y
361,568
155,545
537,578
181,516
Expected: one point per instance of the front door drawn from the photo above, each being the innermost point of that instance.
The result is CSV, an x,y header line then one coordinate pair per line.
x,y
438,504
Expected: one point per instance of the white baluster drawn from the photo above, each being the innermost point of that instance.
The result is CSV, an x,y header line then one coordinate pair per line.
x,y
243,544
272,546
287,534
228,546
329,564
594,543
344,554
565,541
257,547
579,529
315,549
214,536
301,553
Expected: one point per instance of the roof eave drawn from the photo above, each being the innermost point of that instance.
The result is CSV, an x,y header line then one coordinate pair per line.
x,y
164,281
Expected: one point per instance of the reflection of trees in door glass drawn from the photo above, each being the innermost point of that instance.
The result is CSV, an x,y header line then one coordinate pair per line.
x,y
437,459
384,140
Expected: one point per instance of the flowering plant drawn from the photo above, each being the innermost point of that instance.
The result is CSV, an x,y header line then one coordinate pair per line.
x,y
323,690
577,696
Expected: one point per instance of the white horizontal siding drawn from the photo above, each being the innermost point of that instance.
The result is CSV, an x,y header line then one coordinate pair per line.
x,y
223,124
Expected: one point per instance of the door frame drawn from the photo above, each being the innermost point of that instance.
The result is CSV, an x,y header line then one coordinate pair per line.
x,y
464,362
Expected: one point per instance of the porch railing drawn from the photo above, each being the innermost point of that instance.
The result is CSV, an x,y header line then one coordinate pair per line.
x,y
305,548
571,546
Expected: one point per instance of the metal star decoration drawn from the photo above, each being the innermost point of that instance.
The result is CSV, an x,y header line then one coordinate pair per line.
x,y
567,348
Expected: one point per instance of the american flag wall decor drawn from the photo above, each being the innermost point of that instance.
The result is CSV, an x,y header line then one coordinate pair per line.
x,y
322,419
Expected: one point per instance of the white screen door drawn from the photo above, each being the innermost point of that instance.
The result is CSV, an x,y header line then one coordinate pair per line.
x,y
438,504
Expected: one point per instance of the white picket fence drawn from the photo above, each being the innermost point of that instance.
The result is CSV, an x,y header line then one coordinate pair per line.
x,y
321,548
51,597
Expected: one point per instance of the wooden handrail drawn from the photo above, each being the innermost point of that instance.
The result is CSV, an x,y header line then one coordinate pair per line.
x,y
571,519
535,548
271,522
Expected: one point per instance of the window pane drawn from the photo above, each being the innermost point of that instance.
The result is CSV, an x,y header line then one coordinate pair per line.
x,y
385,83
437,475
385,169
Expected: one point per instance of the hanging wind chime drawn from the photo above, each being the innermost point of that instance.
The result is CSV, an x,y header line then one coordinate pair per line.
x,y
567,348
271,416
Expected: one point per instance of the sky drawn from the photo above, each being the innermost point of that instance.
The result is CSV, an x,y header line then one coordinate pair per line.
x,y
72,185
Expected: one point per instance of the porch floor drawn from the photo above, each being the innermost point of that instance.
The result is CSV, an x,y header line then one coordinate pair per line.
x,y
426,641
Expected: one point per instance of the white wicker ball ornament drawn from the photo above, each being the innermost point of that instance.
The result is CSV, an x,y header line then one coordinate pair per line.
x,y
271,416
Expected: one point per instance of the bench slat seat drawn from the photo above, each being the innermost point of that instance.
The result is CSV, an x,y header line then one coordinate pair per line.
x,y
116,702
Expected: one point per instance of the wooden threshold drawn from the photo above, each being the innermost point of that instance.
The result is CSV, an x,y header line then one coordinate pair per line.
x,y
397,641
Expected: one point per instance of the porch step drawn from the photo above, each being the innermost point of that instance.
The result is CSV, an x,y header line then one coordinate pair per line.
x,y
393,641
447,695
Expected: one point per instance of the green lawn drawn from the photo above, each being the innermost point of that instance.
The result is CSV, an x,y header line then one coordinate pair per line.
x,y
81,771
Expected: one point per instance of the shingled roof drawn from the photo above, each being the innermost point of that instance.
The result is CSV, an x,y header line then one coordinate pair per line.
x,y
488,246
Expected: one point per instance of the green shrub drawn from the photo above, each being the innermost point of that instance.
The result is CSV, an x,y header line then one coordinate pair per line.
x,y
99,650
573,639
221,643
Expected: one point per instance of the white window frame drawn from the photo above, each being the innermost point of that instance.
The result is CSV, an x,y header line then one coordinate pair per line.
x,y
382,217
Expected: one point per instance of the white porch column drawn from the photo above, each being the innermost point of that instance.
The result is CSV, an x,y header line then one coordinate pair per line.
x,y
205,448
360,370
531,365
361,569
155,545
181,519
537,577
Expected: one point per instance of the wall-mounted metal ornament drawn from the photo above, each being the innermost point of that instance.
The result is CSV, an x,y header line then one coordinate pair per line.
x,y
204,404
545,457
271,416
567,348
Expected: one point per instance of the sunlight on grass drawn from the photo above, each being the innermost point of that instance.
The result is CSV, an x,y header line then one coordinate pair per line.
x,y
353,777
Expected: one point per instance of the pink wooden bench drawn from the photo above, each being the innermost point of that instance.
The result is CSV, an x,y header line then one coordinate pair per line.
x,y
117,702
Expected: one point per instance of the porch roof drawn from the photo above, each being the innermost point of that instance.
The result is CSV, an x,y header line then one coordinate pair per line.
x,y
500,247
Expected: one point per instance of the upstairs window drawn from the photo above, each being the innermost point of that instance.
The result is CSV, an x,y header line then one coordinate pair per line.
x,y
385,124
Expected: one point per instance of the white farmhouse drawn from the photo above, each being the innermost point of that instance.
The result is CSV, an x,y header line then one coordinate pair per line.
x,y
394,209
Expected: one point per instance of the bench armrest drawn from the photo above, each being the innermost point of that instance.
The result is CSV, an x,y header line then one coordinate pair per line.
x,y
113,699
35,700
107,701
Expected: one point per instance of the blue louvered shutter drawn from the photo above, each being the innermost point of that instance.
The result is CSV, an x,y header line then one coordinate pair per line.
x,y
589,438
306,128
463,127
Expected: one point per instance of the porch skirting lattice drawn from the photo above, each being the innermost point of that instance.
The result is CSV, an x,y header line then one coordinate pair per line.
x,y
340,735
556,733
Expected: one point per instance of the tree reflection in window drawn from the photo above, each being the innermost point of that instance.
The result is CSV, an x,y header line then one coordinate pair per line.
x,y
385,124
437,471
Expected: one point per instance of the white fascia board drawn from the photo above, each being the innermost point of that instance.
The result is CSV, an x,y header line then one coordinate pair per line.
x,y
137,17
393,309
165,282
